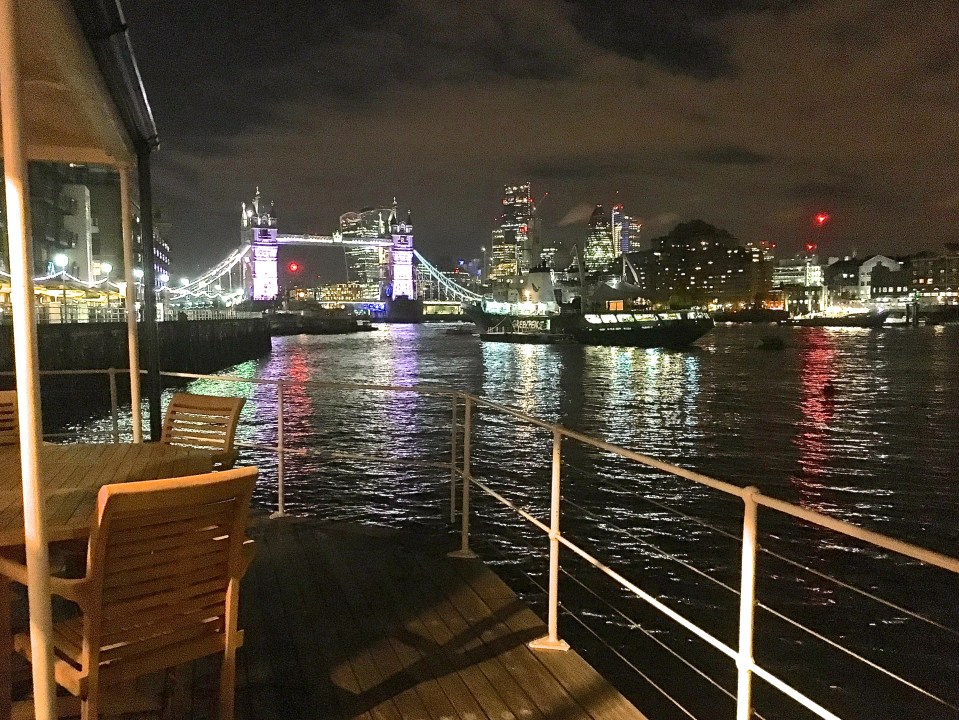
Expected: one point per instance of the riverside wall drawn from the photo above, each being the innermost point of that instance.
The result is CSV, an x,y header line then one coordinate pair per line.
x,y
197,346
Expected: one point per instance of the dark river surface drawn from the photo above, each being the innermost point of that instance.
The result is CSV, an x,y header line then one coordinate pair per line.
x,y
859,424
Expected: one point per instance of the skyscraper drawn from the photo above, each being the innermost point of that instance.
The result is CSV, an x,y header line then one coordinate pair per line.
x,y
503,265
619,221
518,235
599,240
366,265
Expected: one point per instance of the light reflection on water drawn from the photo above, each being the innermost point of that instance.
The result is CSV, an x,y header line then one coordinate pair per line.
x,y
854,423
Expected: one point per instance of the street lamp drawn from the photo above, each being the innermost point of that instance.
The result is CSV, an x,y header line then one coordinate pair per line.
x,y
105,270
61,260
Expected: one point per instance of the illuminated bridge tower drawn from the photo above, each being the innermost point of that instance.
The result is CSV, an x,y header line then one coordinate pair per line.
x,y
259,231
401,257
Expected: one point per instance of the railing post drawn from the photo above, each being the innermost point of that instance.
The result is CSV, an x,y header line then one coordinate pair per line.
x,y
747,603
453,461
464,551
552,641
280,479
114,410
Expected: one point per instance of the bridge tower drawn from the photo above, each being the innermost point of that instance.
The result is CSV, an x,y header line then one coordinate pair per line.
x,y
259,231
401,257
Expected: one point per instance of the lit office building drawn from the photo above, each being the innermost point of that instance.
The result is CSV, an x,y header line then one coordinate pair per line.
x,y
366,266
503,265
517,242
622,226
600,250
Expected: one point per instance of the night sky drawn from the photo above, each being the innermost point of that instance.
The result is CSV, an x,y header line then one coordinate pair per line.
x,y
750,115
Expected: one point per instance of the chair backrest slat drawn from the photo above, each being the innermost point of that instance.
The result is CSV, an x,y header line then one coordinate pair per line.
x,y
203,421
162,556
9,418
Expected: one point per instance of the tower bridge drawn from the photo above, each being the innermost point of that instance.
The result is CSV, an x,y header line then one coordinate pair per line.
x,y
250,272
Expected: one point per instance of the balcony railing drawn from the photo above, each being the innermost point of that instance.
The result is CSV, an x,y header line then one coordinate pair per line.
x,y
459,473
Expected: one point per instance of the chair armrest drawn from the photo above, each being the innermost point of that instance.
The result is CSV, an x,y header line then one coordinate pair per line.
x,y
74,590
13,570
225,459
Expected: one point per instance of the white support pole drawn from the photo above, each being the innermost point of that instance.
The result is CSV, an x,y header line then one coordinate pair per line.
x,y
464,551
747,605
27,364
552,641
453,436
280,450
133,342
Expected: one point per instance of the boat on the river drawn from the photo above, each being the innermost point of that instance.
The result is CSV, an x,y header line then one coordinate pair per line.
x,y
534,315
867,319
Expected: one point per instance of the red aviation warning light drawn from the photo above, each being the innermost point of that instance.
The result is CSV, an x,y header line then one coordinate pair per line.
x,y
293,267
821,219
810,248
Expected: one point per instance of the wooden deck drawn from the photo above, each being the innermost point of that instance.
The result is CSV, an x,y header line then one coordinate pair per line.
x,y
344,622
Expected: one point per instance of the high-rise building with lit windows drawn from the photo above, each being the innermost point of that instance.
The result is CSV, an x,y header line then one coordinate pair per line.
x,y
366,266
503,264
516,242
600,251
621,226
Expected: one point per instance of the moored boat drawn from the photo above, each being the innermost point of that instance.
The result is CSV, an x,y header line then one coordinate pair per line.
x,y
868,319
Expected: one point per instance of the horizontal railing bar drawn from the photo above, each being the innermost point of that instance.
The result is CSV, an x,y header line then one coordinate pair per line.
x,y
898,546
104,371
791,692
511,505
419,389
901,547
695,477
665,609
662,553
799,697
856,656
605,643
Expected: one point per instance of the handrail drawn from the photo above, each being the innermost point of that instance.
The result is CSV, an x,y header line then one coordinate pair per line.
x,y
752,499
465,405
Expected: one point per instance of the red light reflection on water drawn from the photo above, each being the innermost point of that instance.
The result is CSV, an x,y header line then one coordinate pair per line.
x,y
817,376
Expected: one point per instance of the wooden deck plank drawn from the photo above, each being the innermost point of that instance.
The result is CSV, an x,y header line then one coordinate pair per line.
x,y
359,670
518,661
313,629
400,572
362,627
463,649
424,697
593,692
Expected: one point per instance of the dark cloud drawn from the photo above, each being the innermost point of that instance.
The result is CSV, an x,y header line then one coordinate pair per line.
x,y
583,167
731,155
747,114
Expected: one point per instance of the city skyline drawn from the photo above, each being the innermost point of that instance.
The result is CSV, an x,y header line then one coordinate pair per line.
x,y
687,112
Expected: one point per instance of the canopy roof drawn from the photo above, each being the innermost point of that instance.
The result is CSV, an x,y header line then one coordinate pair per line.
x,y
83,100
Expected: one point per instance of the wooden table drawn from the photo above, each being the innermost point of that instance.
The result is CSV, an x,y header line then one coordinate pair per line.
x,y
72,475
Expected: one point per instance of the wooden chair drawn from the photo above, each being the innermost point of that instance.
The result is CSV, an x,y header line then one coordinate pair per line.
x,y
204,421
9,418
161,588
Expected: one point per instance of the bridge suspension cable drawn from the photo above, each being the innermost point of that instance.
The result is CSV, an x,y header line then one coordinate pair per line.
x,y
198,286
453,289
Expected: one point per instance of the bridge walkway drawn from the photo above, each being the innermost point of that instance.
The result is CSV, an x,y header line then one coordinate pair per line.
x,y
347,622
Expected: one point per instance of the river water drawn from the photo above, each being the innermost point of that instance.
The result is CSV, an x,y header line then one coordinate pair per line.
x,y
858,424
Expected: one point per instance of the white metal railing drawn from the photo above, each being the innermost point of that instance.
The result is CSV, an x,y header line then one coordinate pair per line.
x,y
462,479
752,499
